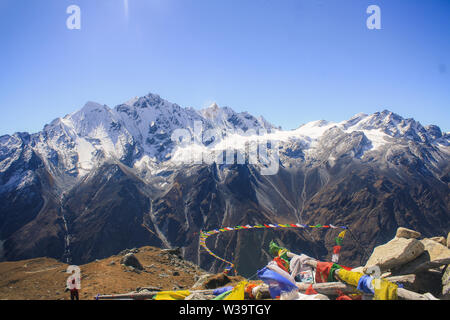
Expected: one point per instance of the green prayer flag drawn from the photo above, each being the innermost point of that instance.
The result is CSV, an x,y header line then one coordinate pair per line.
x,y
274,248
333,268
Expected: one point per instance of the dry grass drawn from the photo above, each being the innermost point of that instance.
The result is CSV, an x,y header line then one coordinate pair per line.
x,y
45,278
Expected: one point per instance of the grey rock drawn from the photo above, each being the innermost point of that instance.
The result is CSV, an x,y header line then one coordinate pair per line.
x,y
395,253
130,260
448,240
440,240
446,284
436,250
175,251
407,233
126,251
200,280
411,266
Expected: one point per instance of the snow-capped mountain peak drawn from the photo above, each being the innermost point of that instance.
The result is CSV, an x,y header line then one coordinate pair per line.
x,y
213,107
138,133
393,125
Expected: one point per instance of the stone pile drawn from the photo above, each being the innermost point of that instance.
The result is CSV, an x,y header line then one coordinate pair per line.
x,y
423,262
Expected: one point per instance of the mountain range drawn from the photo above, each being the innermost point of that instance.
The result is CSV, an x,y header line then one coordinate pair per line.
x,y
103,179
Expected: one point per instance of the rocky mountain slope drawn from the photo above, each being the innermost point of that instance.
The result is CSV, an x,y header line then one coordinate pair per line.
x,y
104,179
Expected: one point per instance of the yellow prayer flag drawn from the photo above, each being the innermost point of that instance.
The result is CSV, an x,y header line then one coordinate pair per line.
x,y
281,252
238,292
349,277
342,234
172,295
384,290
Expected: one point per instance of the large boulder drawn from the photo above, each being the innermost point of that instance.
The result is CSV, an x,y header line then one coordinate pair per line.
x,y
435,254
130,260
407,233
440,240
435,249
448,240
200,280
446,284
217,281
411,266
214,281
395,253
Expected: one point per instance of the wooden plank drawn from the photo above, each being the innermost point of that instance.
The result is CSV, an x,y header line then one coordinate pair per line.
x,y
140,296
409,278
328,288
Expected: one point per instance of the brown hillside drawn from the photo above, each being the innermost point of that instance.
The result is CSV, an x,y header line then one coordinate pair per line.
x,y
45,278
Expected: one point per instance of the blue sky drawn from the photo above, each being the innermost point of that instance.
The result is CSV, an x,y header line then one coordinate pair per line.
x,y
292,61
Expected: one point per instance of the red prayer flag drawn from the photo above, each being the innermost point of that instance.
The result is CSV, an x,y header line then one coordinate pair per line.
x,y
310,290
282,264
